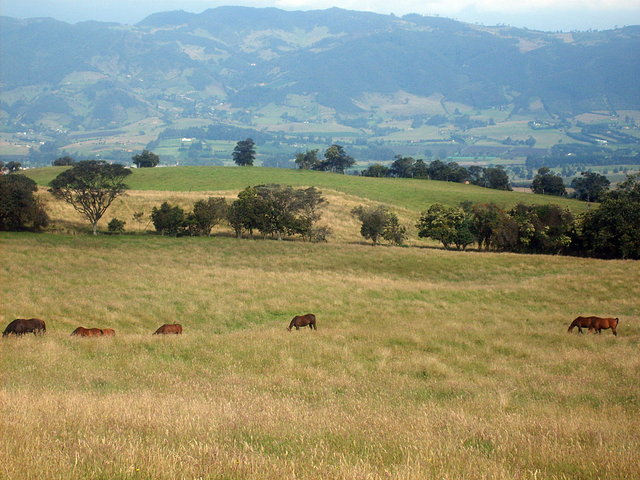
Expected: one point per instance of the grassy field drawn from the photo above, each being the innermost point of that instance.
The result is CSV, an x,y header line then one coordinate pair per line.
x,y
416,195
426,363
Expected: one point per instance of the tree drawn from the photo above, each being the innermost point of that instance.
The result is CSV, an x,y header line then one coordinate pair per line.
x,y
547,183
206,215
13,166
402,167
244,212
485,221
146,159
394,232
375,170
65,161
449,225
168,219
244,153
420,169
497,178
378,222
90,186
590,187
308,160
20,209
373,221
336,160
613,229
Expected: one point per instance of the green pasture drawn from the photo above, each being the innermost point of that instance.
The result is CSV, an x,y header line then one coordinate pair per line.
x,y
411,194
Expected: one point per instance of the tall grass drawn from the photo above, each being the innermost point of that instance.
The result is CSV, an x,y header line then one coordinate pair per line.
x,y
426,363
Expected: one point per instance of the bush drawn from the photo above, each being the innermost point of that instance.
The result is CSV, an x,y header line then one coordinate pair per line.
x,y
116,226
19,208
168,220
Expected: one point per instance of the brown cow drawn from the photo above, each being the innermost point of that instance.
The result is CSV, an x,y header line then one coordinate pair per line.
x,y
302,321
108,332
20,326
594,324
87,332
169,328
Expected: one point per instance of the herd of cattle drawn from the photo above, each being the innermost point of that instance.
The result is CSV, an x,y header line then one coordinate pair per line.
x,y
20,326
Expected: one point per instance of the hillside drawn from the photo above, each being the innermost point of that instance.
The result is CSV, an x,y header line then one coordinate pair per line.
x,y
308,78
397,192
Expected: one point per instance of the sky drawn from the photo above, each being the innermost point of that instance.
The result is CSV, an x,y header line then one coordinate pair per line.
x,y
548,15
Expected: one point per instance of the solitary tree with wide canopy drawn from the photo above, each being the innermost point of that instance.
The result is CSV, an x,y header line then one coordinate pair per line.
x,y
90,187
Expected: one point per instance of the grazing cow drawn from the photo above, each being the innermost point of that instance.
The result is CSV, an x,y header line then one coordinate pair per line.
x,y
169,328
20,326
302,321
595,324
108,332
87,332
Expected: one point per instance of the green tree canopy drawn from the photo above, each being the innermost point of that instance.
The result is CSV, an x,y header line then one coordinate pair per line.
x,y
244,153
547,183
307,160
377,222
449,225
20,209
336,160
590,187
90,186
146,159
375,170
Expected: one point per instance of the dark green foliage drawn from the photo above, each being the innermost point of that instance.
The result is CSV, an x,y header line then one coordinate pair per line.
x,y
449,225
168,220
13,166
146,159
375,170
116,226
547,183
19,208
308,160
590,187
278,211
90,186
63,161
613,230
206,214
394,232
335,160
244,153
496,178
402,167
378,222
543,228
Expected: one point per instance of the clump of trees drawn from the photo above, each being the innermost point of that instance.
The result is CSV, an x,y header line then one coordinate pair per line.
x,y
146,159
408,167
610,231
20,209
378,223
173,220
278,211
335,160
548,183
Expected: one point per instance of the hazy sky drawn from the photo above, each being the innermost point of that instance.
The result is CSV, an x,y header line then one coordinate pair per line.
x,y
535,14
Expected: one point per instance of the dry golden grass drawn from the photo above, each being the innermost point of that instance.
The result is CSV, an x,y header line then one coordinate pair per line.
x,y
426,363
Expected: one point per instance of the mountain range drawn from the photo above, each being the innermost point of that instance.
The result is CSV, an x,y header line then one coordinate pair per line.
x,y
93,75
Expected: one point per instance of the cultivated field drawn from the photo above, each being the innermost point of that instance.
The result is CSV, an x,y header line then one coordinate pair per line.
x,y
426,364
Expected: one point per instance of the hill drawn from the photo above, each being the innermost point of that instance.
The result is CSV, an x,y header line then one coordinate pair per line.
x,y
402,193
307,78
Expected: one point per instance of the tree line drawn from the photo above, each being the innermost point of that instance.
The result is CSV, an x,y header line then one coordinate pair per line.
x,y
611,230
